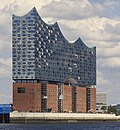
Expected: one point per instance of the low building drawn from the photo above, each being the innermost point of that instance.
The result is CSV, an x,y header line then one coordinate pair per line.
x,y
101,100
5,113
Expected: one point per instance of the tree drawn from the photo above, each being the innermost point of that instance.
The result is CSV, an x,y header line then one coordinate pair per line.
x,y
113,110
103,108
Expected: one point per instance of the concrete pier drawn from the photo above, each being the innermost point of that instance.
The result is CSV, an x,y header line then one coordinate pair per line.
x,y
24,117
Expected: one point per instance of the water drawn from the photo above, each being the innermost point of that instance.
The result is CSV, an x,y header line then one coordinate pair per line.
x,y
79,126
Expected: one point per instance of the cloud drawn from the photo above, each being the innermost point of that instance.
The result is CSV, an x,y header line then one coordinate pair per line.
x,y
21,6
102,79
6,90
110,29
5,98
95,31
110,51
7,8
112,62
100,31
97,23
67,9
78,9
108,81
94,27
5,68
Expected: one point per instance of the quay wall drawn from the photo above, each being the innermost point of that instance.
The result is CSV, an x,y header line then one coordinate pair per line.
x,y
24,117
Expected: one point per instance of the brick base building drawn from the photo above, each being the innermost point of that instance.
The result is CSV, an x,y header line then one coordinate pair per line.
x,y
80,99
91,99
52,97
38,97
67,98
27,97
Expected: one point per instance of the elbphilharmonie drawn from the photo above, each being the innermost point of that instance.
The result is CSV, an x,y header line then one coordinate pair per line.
x,y
50,74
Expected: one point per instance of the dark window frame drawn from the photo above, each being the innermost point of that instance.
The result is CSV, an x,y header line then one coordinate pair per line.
x,y
21,90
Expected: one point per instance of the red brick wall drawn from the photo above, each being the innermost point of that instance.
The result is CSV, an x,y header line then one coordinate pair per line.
x,y
28,101
93,99
52,97
67,98
80,99
31,99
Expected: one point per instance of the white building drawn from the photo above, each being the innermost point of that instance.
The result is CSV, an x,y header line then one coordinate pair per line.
x,y
101,100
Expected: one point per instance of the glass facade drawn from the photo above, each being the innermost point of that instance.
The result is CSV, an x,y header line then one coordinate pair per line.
x,y
40,52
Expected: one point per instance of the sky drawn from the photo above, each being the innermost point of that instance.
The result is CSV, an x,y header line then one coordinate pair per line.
x,y
96,22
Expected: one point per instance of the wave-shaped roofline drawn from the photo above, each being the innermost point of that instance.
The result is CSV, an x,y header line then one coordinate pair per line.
x,y
54,24
37,13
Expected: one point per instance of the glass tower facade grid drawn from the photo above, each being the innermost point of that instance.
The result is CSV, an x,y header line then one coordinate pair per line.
x,y
40,52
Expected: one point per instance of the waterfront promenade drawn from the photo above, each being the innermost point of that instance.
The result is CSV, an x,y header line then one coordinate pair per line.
x,y
26,117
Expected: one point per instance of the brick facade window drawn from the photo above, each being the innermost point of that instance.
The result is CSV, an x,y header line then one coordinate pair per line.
x,y
21,90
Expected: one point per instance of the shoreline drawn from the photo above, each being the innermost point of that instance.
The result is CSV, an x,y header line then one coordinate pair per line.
x,y
26,117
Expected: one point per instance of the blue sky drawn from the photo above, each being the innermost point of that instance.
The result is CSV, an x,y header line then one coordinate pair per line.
x,y
96,22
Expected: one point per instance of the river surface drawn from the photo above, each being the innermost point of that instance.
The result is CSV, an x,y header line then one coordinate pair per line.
x,y
78,126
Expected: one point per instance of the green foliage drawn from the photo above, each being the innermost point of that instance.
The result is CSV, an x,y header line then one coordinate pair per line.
x,y
112,110
103,108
